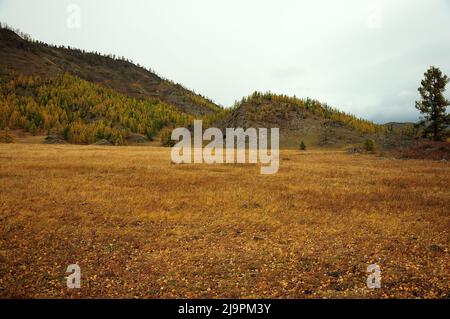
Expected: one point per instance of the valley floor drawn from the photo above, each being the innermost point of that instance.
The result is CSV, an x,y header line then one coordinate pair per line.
x,y
139,226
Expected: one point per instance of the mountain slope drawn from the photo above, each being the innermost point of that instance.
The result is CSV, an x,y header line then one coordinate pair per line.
x,y
82,112
299,120
20,55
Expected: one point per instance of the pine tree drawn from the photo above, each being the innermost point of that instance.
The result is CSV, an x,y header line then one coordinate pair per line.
x,y
433,103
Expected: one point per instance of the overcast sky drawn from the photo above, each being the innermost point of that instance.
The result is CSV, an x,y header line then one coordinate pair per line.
x,y
366,57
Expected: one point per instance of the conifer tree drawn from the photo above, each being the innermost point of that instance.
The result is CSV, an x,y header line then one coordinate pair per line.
x,y
433,103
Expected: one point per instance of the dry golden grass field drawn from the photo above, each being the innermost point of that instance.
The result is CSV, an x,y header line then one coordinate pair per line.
x,y
139,226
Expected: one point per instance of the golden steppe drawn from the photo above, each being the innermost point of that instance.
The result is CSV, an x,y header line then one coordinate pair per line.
x,y
140,226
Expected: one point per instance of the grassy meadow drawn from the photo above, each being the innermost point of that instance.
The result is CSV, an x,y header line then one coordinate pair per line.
x,y
139,226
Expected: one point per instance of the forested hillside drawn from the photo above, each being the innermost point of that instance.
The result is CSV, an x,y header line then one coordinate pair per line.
x,y
261,105
80,111
19,54
300,120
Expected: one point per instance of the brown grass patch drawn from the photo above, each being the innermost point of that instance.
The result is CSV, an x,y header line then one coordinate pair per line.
x,y
139,226
426,150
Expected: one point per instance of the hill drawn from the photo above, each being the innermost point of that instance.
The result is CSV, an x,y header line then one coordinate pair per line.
x,y
21,55
306,120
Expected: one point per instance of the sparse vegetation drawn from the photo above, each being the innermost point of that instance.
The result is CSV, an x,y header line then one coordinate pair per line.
x,y
285,105
5,136
302,146
430,150
139,226
369,145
